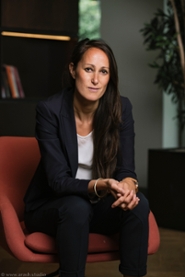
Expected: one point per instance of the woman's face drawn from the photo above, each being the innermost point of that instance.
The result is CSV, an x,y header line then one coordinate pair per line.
x,y
91,75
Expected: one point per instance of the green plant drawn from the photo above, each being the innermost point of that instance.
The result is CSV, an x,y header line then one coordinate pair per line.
x,y
89,19
166,33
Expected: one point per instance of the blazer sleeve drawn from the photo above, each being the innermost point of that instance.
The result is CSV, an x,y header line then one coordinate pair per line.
x,y
126,156
53,152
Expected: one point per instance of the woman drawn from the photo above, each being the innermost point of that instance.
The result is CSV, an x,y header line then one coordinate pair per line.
x,y
85,181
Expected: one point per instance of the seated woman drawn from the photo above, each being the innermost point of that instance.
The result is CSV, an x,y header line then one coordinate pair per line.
x,y
86,180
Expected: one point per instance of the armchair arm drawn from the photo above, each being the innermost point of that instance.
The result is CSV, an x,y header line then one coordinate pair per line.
x,y
154,236
14,236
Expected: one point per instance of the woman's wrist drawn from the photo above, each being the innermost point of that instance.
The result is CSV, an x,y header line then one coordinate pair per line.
x,y
101,184
133,182
98,192
136,184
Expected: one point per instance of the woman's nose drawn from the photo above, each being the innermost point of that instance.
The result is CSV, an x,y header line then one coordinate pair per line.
x,y
95,79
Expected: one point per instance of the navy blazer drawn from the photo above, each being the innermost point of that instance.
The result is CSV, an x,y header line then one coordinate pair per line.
x,y
57,138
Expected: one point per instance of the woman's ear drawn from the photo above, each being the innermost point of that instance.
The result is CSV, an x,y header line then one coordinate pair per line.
x,y
72,70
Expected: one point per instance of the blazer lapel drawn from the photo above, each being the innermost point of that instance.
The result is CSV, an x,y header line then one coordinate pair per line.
x,y
68,129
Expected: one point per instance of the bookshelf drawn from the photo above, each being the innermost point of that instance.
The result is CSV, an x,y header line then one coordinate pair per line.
x,y
37,37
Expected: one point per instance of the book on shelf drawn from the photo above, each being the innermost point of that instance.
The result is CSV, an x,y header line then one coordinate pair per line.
x,y
11,86
5,89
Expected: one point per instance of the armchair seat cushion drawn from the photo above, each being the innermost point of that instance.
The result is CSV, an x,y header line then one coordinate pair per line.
x,y
43,243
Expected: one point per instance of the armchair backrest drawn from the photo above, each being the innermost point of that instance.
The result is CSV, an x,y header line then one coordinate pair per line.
x,y
19,157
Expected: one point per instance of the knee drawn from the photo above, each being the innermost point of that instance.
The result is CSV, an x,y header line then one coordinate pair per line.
x,y
75,208
142,209
143,203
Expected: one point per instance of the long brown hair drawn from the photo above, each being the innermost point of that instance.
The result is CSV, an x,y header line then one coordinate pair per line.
x,y
107,118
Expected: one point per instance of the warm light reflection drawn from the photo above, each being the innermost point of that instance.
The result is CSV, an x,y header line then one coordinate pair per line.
x,y
38,36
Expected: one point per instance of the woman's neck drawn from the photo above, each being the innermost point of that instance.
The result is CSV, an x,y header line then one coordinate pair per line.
x,y
84,114
84,109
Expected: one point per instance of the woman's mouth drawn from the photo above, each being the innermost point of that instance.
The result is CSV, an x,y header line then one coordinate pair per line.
x,y
93,89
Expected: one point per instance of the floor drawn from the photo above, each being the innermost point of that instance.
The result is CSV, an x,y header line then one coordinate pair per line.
x,y
169,261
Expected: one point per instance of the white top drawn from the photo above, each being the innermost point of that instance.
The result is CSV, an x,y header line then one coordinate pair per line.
x,y
85,156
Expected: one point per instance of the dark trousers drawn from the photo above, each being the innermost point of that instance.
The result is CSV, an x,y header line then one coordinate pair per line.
x,y
71,218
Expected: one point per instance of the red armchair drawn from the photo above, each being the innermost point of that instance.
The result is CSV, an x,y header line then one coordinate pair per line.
x,y
19,157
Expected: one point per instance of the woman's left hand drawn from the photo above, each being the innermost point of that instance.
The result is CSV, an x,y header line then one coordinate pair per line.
x,y
128,200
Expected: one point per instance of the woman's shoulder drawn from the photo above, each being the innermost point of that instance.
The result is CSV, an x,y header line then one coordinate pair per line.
x,y
60,96
125,102
57,101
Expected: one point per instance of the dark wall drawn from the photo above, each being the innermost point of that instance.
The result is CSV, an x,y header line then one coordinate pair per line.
x,y
17,118
46,15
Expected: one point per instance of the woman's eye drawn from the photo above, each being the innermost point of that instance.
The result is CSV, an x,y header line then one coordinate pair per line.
x,y
104,71
88,69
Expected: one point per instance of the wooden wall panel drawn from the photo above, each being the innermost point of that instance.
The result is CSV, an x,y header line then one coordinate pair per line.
x,y
47,15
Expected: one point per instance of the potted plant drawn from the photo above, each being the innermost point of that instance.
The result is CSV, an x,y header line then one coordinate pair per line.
x,y
166,186
166,33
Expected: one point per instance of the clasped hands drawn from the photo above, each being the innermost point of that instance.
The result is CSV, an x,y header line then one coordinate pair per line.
x,y
124,192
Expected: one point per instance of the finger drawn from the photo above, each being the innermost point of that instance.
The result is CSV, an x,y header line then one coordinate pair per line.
x,y
124,207
128,197
125,199
119,202
116,203
114,186
133,203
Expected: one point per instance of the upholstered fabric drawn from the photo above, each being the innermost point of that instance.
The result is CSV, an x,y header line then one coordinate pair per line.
x,y
43,243
19,157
